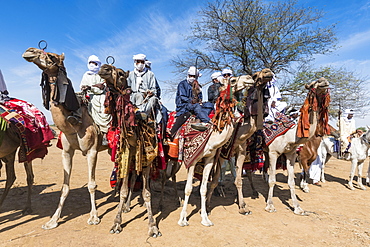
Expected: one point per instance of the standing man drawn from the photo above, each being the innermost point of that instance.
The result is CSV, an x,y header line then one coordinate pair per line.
x,y
347,127
143,85
95,87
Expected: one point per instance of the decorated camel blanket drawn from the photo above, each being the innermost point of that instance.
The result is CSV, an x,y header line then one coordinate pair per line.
x,y
280,126
189,142
33,128
254,159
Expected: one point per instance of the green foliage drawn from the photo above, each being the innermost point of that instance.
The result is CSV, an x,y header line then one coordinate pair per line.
x,y
346,89
249,35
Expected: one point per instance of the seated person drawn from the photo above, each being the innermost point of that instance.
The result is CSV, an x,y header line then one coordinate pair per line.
x,y
189,99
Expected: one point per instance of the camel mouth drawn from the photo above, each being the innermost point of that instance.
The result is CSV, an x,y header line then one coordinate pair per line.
x,y
29,56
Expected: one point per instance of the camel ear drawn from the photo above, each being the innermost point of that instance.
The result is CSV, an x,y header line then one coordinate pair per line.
x,y
255,75
368,127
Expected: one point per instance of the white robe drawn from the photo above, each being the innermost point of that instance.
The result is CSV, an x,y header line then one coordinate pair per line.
x,y
97,98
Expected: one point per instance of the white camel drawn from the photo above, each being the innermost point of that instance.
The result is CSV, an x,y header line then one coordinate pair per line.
x,y
358,153
287,143
84,137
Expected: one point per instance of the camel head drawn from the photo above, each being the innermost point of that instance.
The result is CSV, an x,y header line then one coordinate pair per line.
x,y
46,61
321,85
114,77
241,82
261,78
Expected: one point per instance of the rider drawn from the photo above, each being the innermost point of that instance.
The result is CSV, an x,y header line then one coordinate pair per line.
x,y
213,90
274,103
95,87
143,84
189,99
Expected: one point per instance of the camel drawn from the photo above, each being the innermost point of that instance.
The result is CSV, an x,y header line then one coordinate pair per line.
x,y
246,130
358,153
308,154
119,95
85,137
316,103
217,140
8,149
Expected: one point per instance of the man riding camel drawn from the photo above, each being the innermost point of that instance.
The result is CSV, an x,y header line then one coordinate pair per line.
x,y
96,90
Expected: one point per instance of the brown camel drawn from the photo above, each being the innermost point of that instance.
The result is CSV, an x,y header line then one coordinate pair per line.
x,y
246,130
313,120
118,97
308,154
8,149
84,137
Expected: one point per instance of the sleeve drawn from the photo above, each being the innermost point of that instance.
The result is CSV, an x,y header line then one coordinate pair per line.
x,y
182,95
211,93
152,84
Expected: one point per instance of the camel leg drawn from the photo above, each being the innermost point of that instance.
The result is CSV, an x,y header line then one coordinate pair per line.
x,y
368,176
30,177
250,177
117,228
10,175
240,157
175,169
203,192
352,174
67,156
304,184
272,181
212,186
290,167
359,177
92,156
188,188
127,206
153,229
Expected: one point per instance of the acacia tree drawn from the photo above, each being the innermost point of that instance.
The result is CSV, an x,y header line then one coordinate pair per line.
x,y
346,89
248,35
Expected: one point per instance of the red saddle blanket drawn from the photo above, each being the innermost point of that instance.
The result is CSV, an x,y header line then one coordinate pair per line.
x,y
31,123
281,125
191,141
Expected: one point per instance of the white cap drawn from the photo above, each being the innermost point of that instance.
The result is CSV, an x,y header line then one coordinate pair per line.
x,y
227,71
192,71
215,75
140,57
349,111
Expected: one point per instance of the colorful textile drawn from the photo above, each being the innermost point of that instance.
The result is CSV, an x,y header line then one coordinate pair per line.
x,y
227,148
194,142
281,125
31,123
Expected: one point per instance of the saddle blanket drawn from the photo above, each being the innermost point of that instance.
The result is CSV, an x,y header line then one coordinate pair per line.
x,y
281,125
31,123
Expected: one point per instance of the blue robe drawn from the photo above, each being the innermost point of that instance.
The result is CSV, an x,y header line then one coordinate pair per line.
x,y
184,95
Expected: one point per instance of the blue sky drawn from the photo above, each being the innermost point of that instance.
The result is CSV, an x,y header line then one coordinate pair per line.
x,y
157,28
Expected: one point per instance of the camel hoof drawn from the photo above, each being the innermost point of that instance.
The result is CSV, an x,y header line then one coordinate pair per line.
x,y
27,211
207,223
362,187
50,225
301,212
350,186
127,210
183,223
93,220
247,213
270,209
116,228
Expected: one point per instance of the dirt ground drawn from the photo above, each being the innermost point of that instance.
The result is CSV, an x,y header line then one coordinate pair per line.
x,y
337,215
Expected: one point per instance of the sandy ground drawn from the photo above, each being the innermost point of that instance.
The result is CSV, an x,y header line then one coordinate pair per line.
x,y
337,215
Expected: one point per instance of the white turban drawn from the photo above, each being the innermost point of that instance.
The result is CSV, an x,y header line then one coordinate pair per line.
x,y
215,75
349,111
140,57
193,71
93,69
227,71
